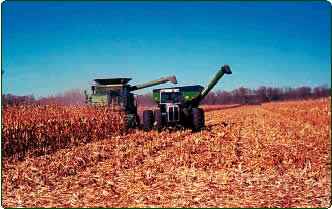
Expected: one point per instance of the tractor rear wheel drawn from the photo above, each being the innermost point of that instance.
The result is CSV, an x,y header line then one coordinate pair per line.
x,y
159,119
198,119
148,120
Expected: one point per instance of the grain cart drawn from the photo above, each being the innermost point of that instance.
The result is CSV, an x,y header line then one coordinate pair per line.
x,y
117,94
180,105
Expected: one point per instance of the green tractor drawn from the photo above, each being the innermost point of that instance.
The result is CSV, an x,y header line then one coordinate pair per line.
x,y
117,94
180,105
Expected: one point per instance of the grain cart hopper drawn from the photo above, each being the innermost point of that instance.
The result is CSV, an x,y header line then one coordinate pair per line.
x,y
117,94
180,105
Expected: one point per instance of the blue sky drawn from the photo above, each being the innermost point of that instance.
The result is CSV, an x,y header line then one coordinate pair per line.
x,y
51,47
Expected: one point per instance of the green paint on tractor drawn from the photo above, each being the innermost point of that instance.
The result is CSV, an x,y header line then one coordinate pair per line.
x,y
180,105
185,95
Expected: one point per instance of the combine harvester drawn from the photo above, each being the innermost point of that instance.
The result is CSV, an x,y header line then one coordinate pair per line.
x,y
117,94
180,105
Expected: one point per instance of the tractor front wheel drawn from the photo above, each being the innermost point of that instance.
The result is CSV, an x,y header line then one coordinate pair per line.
x,y
148,120
198,119
159,119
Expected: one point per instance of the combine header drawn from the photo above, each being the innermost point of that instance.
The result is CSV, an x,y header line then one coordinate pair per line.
x,y
180,105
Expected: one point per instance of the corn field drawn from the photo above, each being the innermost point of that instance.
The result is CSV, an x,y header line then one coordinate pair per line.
x,y
38,130
270,155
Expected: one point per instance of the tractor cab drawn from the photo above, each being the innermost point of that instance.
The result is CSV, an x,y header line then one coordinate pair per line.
x,y
170,96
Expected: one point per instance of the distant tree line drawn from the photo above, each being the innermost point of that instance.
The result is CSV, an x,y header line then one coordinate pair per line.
x,y
265,94
238,96
71,97
145,100
254,96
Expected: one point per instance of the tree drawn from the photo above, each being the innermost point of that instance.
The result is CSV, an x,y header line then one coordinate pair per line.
x,y
303,92
223,97
261,94
210,99
145,100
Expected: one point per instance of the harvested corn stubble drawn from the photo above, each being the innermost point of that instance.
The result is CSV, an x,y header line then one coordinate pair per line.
x,y
271,155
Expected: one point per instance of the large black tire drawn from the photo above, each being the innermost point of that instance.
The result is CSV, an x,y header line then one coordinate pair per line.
x,y
186,118
198,119
148,120
138,121
159,120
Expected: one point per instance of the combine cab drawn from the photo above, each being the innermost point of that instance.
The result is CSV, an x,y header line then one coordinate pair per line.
x,y
180,105
117,94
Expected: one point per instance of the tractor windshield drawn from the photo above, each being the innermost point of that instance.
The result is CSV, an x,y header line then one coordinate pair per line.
x,y
170,97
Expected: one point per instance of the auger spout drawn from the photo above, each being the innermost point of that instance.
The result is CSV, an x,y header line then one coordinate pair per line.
x,y
225,69
172,79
